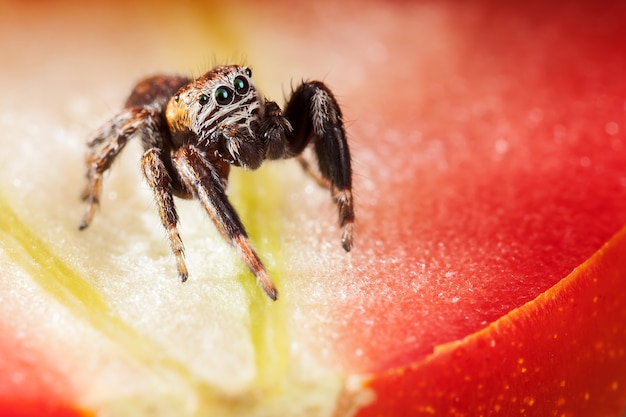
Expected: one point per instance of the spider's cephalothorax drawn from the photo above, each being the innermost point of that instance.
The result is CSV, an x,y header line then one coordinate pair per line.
x,y
193,130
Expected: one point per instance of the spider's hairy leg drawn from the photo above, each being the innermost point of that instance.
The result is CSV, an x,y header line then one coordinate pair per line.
x,y
161,185
315,115
111,139
204,180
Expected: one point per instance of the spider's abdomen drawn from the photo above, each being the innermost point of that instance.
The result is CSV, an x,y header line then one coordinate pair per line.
x,y
155,90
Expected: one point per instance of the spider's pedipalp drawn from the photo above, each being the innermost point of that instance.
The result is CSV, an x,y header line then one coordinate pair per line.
x,y
275,129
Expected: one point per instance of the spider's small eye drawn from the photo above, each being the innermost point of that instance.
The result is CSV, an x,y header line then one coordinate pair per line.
x,y
224,96
241,85
204,99
248,72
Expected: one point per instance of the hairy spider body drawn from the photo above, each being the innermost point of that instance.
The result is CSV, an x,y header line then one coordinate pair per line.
x,y
193,130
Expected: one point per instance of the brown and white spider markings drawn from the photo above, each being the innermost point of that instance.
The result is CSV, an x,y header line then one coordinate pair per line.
x,y
192,130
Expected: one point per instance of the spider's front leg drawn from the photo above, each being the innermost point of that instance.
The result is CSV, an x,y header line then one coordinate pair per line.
x,y
315,116
160,183
104,148
204,180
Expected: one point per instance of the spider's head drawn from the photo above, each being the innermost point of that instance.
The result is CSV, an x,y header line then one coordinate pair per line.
x,y
217,112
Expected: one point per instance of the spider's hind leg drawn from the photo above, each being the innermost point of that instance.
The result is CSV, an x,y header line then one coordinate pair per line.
x,y
103,149
315,115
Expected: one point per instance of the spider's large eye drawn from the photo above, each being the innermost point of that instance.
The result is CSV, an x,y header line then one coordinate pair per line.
x,y
204,99
224,96
241,85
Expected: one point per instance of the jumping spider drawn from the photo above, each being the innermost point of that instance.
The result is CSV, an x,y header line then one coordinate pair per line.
x,y
193,130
